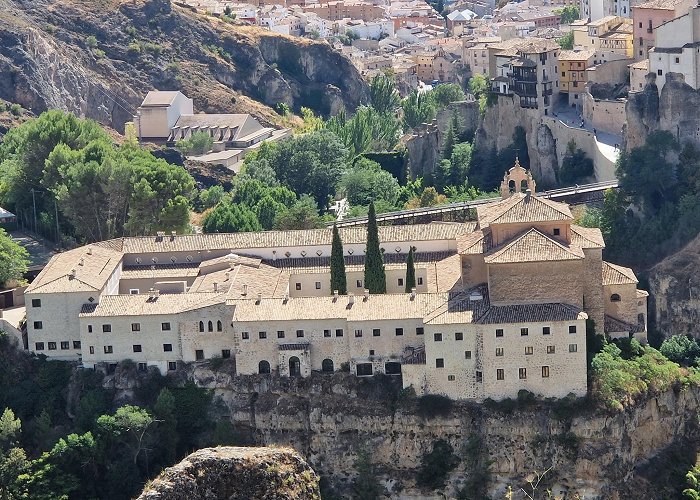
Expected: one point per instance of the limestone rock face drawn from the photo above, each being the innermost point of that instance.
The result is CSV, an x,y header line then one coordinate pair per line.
x,y
231,473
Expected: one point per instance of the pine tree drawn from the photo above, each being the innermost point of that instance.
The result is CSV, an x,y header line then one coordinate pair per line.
x,y
448,144
375,276
410,272
338,278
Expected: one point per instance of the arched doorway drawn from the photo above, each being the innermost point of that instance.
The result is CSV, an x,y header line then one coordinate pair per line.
x,y
327,365
264,367
294,367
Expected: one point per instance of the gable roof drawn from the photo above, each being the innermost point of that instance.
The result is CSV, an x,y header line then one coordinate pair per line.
x,y
618,275
533,246
522,208
587,237
160,97
531,313
143,304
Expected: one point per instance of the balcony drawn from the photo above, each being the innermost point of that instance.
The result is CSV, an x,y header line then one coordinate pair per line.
x,y
650,30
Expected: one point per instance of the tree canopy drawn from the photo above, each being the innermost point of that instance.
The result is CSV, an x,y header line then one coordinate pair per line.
x,y
14,259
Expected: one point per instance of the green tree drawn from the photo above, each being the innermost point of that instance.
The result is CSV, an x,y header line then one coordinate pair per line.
x,y
366,486
446,93
14,259
575,165
130,425
338,277
366,181
448,142
567,41
198,143
367,130
693,479
479,87
410,272
417,108
569,14
375,275
267,210
302,215
383,94
211,197
164,413
230,217
436,465
681,349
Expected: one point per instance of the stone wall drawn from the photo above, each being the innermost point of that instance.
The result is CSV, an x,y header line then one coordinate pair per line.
x,y
611,72
604,115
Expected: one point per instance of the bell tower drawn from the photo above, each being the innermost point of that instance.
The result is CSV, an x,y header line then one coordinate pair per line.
x,y
517,180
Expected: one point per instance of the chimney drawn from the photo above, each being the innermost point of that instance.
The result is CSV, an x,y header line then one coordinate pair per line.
x,y
259,298
156,293
172,234
413,293
216,286
335,294
89,250
245,289
72,273
528,192
366,294
227,275
81,261
351,298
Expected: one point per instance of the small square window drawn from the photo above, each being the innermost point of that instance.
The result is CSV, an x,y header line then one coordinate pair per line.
x,y
172,366
36,302
557,231
499,351
440,363
280,334
245,335
437,337
300,333
523,332
199,354
522,373
551,349
143,367
89,328
38,325
262,335
420,280
546,330
371,352
52,346
135,327
358,283
326,333
133,291
499,332
226,353
318,285
165,327
65,345
106,328
467,355
167,347
451,378
358,333
297,286
137,348
659,72
339,332
376,332
92,349
678,60
108,349
573,347
572,328
419,330
399,332
400,281
76,344
39,346
528,350
545,372
479,377
500,374
459,336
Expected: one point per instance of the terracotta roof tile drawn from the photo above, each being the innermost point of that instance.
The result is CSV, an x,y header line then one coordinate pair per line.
x,y
533,246
522,208
617,275
143,304
587,237
614,325
531,313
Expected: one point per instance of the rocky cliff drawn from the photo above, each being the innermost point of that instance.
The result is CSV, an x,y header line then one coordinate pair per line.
x,y
98,60
328,418
236,474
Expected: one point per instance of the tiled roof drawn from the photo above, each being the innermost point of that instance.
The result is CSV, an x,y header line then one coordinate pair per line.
x,y
642,294
575,55
643,64
244,281
160,97
143,304
617,275
659,4
614,325
462,308
478,242
531,313
522,208
587,237
161,271
533,246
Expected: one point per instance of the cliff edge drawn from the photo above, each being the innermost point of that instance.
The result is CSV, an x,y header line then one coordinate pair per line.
x,y
236,473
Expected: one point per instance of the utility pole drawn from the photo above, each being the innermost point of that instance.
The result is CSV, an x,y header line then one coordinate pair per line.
x,y
34,203
58,231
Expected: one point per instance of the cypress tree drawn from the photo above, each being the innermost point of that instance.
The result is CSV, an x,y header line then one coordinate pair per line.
x,y
375,276
410,271
338,278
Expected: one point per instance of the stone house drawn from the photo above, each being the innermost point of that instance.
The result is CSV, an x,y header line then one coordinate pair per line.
x,y
648,16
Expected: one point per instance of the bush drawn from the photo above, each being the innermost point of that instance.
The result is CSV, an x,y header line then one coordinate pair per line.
x,y
91,42
436,465
681,349
134,49
432,405
16,109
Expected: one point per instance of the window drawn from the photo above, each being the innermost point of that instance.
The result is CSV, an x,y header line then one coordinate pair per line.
x,y
438,337
65,345
640,24
557,231
199,354
479,377
523,332
143,367
678,60
400,280
219,326
133,291
76,344
550,349
166,327
420,280
499,351
167,347
106,328
451,378
522,373
262,335
528,350
615,297
546,330
52,346
36,302
499,332
326,333
572,328
376,332
563,73
318,285
358,333
573,347
38,325
440,363
135,327
89,328
545,372
245,335
399,332
659,72
327,365
92,349
39,346
358,283
172,366
339,332
300,333
225,353
210,326
419,330
500,374
137,347
371,352
297,286
108,349
364,369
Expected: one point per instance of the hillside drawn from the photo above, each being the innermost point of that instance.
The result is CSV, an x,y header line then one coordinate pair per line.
x,y
98,60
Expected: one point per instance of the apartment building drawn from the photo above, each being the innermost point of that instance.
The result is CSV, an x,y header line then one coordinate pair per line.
x,y
610,38
475,54
648,16
436,65
676,49
500,304
573,75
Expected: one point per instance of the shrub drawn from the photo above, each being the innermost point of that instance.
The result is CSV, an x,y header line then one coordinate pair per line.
x,y
134,49
436,465
432,405
91,42
681,349
16,109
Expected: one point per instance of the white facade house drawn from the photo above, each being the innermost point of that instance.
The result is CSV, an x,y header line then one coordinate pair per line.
x,y
677,49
